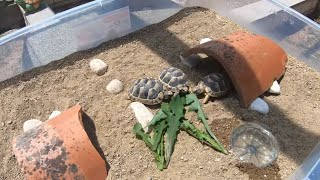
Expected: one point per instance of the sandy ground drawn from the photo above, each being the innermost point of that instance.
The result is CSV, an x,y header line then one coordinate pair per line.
x,y
293,116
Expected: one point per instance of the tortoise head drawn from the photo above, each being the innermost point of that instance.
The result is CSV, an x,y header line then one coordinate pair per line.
x,y
199,89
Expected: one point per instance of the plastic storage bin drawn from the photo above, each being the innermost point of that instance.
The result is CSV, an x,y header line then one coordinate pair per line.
x,y
89,25
310,168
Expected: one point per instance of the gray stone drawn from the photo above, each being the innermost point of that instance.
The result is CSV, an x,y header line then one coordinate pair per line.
x,y
115,86
98,66
30,124
54,114
8,122
142,113
204,40
260,106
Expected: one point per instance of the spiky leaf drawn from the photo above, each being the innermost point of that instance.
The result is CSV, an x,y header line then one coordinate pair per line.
x,y
159,153
138,130
201,136
194,105
159,116
160,161
158,134
175,115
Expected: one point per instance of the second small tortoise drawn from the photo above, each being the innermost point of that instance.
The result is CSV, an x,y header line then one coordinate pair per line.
x,y
147,91
174,80
213,85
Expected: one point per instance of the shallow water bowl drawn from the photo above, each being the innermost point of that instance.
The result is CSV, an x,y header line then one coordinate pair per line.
x,y
253,62
59,149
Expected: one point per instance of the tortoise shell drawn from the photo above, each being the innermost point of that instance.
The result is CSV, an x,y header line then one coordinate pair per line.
x,y
174,79
147,91
215,85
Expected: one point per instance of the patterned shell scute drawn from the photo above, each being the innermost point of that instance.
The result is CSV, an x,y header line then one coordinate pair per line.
x,y
146,88
174,78
216,84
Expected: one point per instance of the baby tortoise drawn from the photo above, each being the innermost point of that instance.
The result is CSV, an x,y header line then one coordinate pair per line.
x,y
148,91
213,85
174,80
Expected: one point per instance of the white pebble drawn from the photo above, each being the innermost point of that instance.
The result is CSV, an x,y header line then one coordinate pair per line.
x,y
142,113
115,86
275,88
54,114
8,122
98,66
204,40
260,106
30,124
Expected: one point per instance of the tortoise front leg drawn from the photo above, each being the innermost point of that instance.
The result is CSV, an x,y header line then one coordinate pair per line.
x,y
206,99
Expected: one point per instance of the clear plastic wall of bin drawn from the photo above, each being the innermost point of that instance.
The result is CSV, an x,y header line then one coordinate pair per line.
x,y
91,24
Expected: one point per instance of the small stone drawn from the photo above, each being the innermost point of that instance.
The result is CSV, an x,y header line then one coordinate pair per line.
x,y
98,66
142,113
20,87
275,88
54,114
8,122
265,175
2,124
204,40
181,158
260,106
115,86
140,157
30,124
200,167
149,178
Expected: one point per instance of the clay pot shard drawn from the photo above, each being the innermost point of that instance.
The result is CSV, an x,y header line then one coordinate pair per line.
x,y
59,149
253,62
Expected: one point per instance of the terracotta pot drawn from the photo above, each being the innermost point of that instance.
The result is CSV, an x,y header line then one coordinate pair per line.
x,y
253,62
59,149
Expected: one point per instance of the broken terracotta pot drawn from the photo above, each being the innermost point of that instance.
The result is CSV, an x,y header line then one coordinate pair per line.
x,y
59,149
253,62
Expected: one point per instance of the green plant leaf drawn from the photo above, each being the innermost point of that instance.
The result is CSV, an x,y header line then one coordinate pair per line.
x,y
160,115
201,136
158,153
174,120
194,105
158,134
177,105
165,107
160,161
138,130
